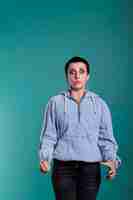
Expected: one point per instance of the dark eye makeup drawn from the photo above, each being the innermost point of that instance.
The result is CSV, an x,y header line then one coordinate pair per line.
x,y
72,71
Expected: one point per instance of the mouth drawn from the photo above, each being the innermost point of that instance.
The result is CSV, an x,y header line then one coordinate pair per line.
x,y
77,82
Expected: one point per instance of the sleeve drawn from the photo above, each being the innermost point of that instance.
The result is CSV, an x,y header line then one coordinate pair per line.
x,y
48,137
106,141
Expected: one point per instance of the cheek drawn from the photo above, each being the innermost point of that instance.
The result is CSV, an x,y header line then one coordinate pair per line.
x,y
84,79
70,79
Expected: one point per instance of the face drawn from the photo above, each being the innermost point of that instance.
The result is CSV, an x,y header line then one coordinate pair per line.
x,y
77,75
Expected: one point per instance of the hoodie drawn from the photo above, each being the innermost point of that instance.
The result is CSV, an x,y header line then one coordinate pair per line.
x,y
77,131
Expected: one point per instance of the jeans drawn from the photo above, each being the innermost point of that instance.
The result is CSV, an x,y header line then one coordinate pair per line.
x,y
75,180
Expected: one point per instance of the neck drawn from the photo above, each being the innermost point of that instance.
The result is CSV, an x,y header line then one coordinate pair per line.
x,y
77,94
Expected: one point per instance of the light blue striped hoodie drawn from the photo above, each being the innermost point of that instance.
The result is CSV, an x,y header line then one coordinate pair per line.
x,y
72,131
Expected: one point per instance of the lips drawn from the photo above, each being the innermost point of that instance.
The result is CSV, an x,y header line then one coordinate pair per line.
x,y
77,82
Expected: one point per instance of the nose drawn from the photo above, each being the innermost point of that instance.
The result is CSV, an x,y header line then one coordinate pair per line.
x,y
77,75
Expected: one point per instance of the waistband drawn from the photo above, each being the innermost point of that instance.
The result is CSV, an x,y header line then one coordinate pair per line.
x,y
71,162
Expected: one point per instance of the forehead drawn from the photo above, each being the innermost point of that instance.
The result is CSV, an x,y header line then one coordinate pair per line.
x,y
77,65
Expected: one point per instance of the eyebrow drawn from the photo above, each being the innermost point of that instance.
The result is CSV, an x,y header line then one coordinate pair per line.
x,y
79,69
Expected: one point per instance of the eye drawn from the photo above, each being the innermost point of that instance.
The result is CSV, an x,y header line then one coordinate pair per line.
x,y
82,71
72,72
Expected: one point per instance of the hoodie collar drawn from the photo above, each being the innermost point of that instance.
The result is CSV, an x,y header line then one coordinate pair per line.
x,y
88,94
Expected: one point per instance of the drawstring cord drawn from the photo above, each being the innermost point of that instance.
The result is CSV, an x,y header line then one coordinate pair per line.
x,y
92,100
94,103
65,105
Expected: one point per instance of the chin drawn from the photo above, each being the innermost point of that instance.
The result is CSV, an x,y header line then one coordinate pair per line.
x,y
77,87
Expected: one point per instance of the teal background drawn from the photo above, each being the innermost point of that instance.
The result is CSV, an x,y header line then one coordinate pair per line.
x,y
36,39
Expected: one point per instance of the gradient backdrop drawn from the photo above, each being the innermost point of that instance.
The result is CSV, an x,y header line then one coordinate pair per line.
x,y
36,39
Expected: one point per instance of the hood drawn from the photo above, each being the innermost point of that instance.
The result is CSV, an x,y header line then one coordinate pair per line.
x,y
88,94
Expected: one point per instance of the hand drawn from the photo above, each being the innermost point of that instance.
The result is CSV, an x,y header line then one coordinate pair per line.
x,y
111,164
44,166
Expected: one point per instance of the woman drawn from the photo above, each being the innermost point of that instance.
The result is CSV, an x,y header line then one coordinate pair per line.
x,y
77,135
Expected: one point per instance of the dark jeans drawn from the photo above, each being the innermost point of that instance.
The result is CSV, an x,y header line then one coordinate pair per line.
x,y
75,180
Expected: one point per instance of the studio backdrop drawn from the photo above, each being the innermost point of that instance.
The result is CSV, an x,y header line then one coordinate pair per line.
x,y
36,39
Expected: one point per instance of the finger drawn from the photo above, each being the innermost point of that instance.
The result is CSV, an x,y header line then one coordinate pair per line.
x,y
111,175
43,169
43,166
112,172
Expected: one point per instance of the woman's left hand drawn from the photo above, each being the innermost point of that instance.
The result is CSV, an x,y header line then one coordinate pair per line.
x,y
111,164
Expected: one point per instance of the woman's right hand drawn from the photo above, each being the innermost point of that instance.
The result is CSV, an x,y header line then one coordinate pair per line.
x,y
44,166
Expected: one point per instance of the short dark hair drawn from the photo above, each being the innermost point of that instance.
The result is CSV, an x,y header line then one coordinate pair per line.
x,y
74,60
